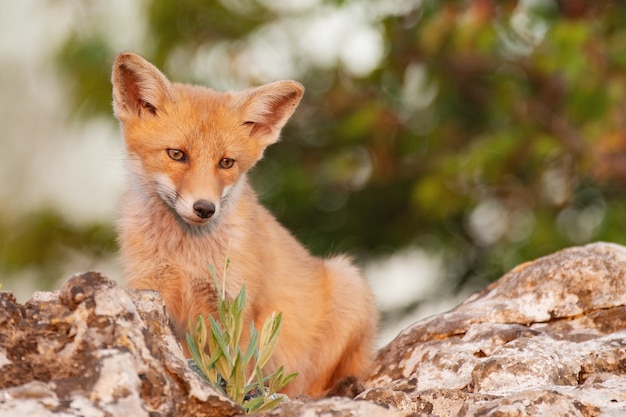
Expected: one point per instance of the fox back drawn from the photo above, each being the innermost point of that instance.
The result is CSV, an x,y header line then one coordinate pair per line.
x,y
189,205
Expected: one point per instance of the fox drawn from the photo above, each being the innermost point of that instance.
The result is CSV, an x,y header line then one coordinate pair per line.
x,y
189,204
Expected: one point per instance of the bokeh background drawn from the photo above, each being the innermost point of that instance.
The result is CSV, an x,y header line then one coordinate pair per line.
x,y
439,142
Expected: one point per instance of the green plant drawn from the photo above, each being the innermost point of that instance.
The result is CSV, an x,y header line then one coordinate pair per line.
x,y
224,365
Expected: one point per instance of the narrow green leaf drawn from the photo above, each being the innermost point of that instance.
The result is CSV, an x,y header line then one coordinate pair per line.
x,y
222,312
279,380
253,404
218,335
259,377
234,319
269,404
290,377
196,356
253,349
196,343
216,352
267,329
193,350
269,338
242,298
237,315
197,327
285,380
235,382
276,380
227,363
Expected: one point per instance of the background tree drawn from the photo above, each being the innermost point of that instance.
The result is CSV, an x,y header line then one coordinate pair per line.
x,y
486,132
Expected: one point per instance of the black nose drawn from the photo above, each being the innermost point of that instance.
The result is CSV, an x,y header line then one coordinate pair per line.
x,y
204,209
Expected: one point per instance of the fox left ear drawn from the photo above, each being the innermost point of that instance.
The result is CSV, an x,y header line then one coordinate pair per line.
x,y
139,88
268,107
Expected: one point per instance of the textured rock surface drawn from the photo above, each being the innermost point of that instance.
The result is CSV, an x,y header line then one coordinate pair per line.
x,y
547,339
88,350
337,407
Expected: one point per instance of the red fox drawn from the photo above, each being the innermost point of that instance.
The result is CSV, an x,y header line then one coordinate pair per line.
x,y
189,150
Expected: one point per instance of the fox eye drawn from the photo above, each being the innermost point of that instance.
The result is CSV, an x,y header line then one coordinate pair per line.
x,y
227,163
177,155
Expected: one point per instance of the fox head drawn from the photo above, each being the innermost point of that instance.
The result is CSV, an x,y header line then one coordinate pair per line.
x,y
192,146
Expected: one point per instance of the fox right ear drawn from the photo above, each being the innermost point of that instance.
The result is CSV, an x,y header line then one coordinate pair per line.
x,y
139,88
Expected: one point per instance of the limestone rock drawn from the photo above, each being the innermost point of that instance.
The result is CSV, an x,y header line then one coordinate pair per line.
x,y
87,350
337,407
547,339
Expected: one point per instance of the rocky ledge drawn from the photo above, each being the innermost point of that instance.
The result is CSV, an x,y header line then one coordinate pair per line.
x,y
547,339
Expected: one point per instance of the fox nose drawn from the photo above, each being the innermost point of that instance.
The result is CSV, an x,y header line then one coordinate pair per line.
x,y
204,209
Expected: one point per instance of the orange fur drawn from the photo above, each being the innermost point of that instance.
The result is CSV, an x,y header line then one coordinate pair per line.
x,y
329,314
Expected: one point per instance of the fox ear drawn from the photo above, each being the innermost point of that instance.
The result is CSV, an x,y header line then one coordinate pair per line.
x,y
139,88
267,108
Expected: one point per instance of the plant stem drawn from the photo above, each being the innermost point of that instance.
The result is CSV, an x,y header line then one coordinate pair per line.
x,y
225,268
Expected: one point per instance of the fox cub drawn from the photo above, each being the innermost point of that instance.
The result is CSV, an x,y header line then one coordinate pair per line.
x,y
189,150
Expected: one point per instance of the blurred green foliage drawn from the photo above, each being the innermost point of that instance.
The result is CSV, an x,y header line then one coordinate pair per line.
x,y
46,240
491,132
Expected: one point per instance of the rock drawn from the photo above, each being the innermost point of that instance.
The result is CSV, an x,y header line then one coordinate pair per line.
x,y
547,339
337,407
94,349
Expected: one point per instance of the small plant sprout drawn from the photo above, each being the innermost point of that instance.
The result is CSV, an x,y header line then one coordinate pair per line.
x,y
220,359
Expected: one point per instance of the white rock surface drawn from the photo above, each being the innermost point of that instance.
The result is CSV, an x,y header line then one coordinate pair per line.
x,y
547,339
